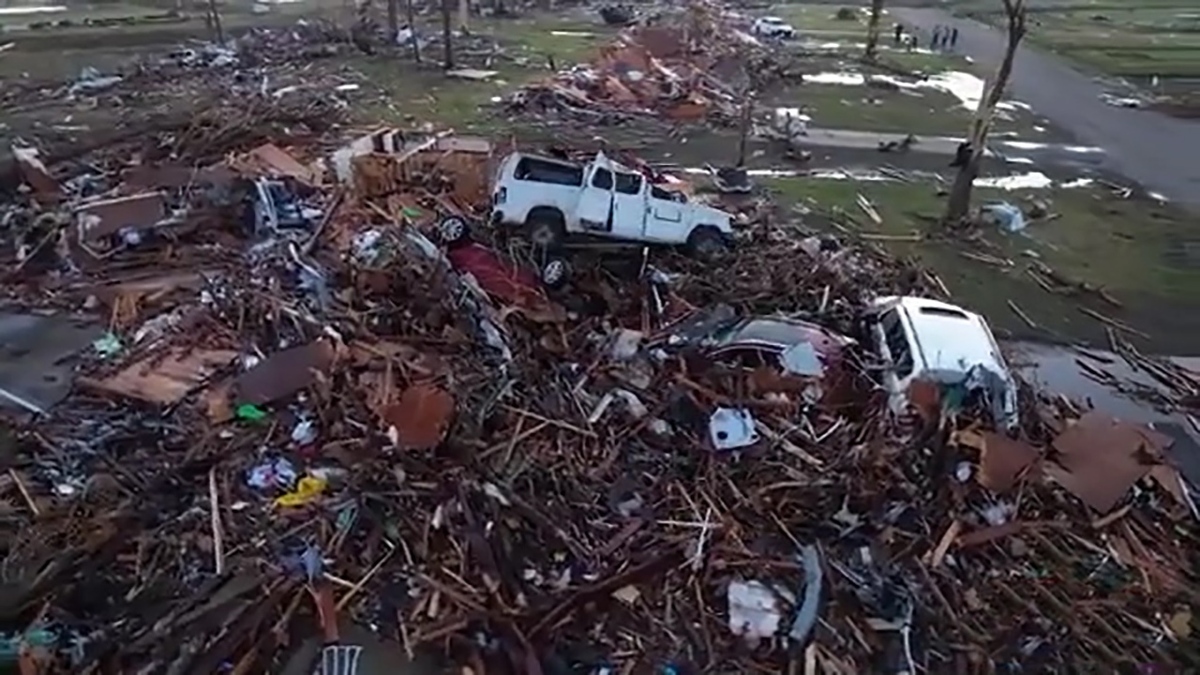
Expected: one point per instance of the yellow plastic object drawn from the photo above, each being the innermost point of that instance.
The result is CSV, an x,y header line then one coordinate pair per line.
x,y
307,489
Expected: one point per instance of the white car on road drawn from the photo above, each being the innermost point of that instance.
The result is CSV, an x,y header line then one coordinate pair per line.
x,y
773,27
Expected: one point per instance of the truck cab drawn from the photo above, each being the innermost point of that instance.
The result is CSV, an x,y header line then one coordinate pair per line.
x,y
553,198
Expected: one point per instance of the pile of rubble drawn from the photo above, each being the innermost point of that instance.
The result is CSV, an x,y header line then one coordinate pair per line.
x,y
684,66
262,420
277,68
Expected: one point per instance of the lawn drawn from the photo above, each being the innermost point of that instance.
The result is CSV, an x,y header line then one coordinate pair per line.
x,y
924,111
821,21
1134,39
861,108
427,95
1132,249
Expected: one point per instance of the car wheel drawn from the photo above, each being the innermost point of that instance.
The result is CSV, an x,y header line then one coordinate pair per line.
x,y
547,233
706,242
555,273
453,230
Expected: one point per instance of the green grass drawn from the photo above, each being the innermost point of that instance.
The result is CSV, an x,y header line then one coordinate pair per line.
x,y
1122,246
417,97
822,19
1125,39
869,109
924,112
428,96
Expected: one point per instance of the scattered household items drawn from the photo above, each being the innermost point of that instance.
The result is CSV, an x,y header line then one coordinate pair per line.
x,y
901,145
1004,215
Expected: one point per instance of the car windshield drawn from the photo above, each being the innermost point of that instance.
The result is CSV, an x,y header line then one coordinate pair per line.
x,y
727,330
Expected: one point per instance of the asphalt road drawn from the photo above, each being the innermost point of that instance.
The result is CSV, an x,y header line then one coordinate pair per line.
x,y
1161,153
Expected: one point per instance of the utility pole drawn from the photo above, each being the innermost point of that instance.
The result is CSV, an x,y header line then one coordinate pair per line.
x,y
959,202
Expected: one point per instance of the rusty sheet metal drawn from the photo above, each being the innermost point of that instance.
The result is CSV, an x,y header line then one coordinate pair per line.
x,y
165,379
1100,458
284,373
420,419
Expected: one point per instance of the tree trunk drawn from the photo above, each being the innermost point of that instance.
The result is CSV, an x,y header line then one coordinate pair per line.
x,y
216,21
959,202
464,14
412,26
393,20
744,130
872,51
447,37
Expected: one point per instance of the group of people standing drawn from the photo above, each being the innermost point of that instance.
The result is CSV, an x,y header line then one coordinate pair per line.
x,y
944,38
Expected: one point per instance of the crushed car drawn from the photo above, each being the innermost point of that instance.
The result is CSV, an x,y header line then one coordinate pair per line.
x,y
498,277
553,198
928,340
802,356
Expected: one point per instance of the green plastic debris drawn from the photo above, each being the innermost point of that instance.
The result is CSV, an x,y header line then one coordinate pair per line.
x,y
410,212
108,345
250,412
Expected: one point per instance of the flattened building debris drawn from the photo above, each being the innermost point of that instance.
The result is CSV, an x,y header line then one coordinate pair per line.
x,y
389,437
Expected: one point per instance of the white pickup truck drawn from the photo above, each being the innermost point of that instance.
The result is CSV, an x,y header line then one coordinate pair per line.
x,y
554,198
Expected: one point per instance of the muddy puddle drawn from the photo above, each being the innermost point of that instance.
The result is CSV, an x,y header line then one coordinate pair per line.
x,y
1055,369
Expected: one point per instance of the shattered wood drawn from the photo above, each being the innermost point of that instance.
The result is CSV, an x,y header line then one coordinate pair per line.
x,y
341,441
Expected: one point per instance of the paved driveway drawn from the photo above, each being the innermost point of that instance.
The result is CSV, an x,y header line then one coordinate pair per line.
x,y
1160,152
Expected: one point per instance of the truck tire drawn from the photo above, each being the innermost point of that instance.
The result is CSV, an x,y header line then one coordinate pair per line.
x,y
555,273
547,229
453,230
706,242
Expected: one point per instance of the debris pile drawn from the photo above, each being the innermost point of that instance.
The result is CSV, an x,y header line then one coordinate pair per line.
x,y
265,68
671,67
261,415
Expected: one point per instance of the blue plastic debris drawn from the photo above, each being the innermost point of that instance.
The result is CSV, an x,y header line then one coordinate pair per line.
x,y
1006,215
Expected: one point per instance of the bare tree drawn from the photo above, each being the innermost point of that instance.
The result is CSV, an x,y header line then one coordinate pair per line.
x,y
959,203
872,51
746,121
215,16
447,36
412,26
393,21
